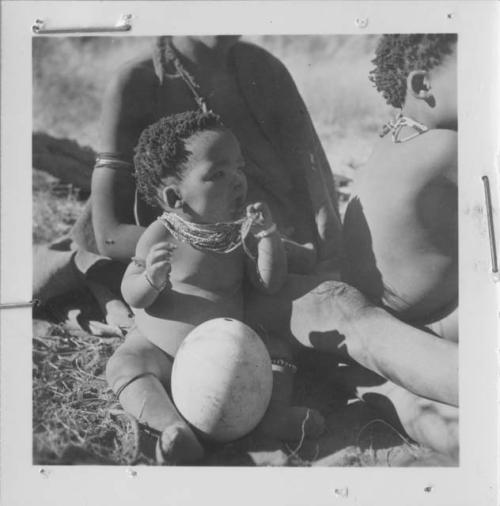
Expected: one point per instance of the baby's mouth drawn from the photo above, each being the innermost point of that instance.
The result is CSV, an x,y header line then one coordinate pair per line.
x,y
239,204
239,207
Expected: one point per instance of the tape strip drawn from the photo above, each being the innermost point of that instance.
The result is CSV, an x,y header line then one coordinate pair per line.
x,y
491,227
124,24
9,305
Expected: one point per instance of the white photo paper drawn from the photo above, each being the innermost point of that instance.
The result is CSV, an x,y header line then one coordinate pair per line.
x,y
307,105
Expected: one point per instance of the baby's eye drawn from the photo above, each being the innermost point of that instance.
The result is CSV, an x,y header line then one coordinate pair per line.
x,y
219,174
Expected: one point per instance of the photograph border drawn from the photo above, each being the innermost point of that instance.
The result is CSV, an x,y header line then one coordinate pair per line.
x,y
475,480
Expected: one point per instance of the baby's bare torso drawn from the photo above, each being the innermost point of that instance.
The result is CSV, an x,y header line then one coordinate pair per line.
x,y
204,285
401,227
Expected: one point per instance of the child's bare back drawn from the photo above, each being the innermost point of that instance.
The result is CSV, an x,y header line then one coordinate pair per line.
x,y
401,226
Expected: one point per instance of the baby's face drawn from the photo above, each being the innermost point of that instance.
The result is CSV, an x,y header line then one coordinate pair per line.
x,y
213,185
443,79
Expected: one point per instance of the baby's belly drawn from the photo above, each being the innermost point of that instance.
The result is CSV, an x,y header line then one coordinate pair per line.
x,y
173,315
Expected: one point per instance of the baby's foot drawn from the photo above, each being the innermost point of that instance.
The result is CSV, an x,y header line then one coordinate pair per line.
x,y
291,423
178,445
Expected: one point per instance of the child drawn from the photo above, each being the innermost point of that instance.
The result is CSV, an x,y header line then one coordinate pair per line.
x,y
189,267
400,227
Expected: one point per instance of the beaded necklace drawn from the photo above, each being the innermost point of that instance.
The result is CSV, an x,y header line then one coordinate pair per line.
x,y
395,126
165,53
221,237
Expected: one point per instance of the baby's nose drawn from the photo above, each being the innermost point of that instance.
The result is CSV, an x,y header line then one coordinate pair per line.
x,y
240,180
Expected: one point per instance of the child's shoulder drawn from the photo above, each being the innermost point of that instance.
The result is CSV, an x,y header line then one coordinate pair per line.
x,y
429,155
154,233
438,155
439,145
437,142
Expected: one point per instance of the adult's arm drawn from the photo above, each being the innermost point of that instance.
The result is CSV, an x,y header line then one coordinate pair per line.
x,y
127,110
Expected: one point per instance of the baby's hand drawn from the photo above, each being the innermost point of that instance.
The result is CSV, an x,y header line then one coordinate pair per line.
x,y
158,263
262,218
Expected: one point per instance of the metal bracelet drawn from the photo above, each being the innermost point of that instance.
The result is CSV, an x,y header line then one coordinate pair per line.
x,y
157,288
267,232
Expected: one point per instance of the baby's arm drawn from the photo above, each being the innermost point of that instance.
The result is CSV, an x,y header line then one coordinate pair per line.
x,y
269,271
148,273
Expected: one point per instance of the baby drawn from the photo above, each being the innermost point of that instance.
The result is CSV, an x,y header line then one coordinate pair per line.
x,y
189,267
401,226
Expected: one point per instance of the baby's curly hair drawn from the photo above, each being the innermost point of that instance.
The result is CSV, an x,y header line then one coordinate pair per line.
x,y
161,150
397,55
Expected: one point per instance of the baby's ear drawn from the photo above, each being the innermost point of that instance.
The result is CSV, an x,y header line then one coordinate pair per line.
x,y
170,197
418,84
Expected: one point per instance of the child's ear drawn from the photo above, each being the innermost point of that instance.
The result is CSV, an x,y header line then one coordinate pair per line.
x,y
171,197
418,84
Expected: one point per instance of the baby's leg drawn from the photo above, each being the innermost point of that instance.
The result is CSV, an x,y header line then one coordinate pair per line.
x,y
282,420
139,373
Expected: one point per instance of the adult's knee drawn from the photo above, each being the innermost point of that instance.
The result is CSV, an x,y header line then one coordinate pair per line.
x,y
323,318
330,288
347,302
436,425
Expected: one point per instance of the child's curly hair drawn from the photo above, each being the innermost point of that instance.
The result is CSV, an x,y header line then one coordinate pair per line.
x,y
161,150
397,55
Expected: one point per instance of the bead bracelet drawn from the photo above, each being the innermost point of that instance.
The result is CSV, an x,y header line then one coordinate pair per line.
x,y
157,288
267,232
285,364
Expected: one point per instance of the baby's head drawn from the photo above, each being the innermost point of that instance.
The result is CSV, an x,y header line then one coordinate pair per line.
x,y
191,164
418,70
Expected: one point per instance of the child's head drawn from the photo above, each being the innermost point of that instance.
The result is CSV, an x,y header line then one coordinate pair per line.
x,y
191,163
418,67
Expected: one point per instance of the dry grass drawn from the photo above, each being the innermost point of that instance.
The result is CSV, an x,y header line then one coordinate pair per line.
x,y
71,402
